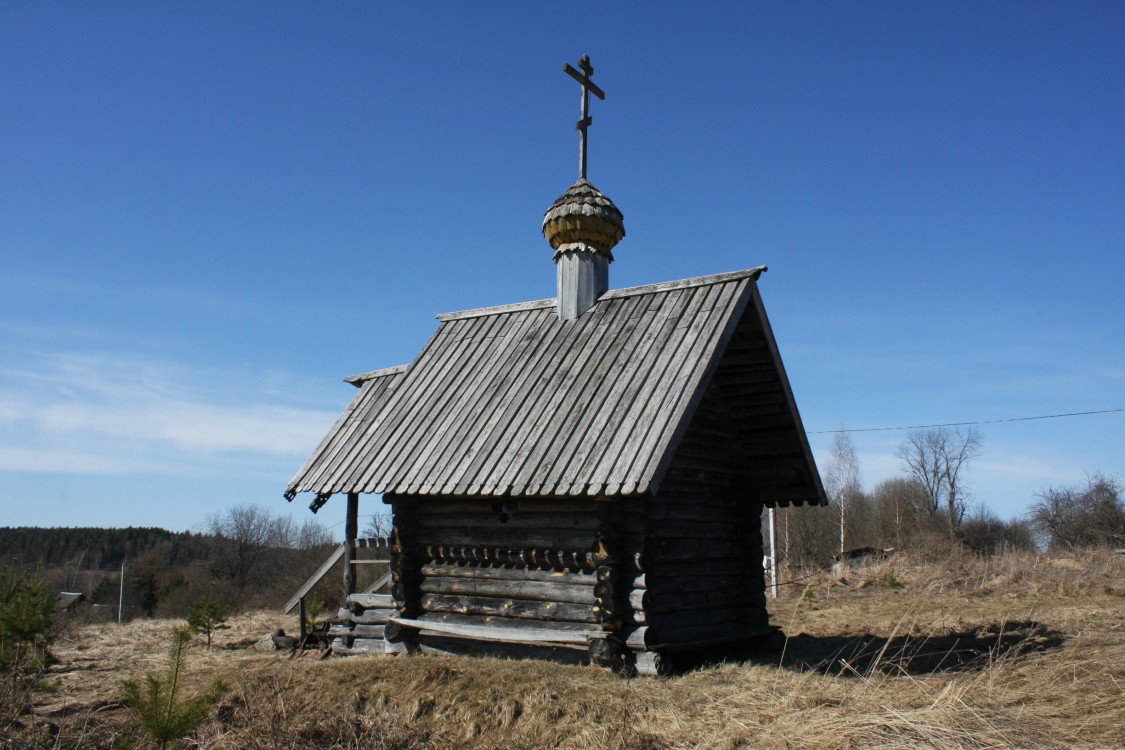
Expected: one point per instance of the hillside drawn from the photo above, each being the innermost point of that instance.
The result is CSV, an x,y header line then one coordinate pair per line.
x,y
1014,651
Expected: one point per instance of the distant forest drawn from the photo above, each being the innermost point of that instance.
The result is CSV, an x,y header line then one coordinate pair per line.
x,y
98,548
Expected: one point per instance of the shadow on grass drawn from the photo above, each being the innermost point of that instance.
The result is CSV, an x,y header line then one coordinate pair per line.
x,y
966,650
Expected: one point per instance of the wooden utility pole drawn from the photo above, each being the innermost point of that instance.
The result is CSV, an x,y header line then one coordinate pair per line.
x,y
588,86
121,594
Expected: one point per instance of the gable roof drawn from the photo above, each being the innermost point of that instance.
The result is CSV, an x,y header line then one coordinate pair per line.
x,y
513,401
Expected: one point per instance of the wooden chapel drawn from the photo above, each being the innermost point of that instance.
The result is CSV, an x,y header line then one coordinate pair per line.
x,y
578,478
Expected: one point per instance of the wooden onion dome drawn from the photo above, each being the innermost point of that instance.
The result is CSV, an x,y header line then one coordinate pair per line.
x,y
583,218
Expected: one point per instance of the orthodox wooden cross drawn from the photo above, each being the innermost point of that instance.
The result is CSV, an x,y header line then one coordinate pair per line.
x,y
588,86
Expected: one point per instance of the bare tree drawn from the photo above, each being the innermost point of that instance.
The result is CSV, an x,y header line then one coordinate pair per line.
x,y
1090,516
937,458
841,481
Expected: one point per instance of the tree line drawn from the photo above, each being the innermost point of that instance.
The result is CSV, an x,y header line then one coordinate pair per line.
x,y
245,557
927,508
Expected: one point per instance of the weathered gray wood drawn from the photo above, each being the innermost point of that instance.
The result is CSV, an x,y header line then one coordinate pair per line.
x,y
375,616
621,418
640,640
452,646
527,635
368,631
649,663
372,600
531,506
649,601
359,646
510,622
507,537
465,421
677,399
509,589
479,605
512,573
542,557
519,520
315,579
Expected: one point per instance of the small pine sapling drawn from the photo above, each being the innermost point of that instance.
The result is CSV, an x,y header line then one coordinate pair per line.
x,y
206,616
161,712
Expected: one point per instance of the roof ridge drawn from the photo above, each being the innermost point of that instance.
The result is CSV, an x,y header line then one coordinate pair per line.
x,y
632,291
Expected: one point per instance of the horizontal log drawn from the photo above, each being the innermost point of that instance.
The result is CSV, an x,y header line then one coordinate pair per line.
x,y
357,631
450,646
709,528
369,601
667,550
480,605
508,622
374,616
542,591
747,564
694,643
640,639
510,573
703,582
359,646
650,601
507,537
584,520
492,508
649,663
526,635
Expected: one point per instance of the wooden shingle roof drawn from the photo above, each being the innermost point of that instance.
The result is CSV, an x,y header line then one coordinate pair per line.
x,y
513,401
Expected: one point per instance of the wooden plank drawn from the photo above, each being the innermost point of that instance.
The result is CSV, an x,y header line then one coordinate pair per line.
x,y
373,451
720,278
480,605
359,646
681,400
369,601
499,439
533,506
500,633
638,354
543,591
576,402
502,621
508,573
507,537
799,428
453,646
448,448
437,413
315,579
647,376
541,383
521,519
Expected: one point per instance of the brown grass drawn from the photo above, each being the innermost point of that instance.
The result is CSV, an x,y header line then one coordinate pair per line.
x,y
1013,652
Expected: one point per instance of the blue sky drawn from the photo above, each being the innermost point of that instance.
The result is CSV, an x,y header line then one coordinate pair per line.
x,y
212,212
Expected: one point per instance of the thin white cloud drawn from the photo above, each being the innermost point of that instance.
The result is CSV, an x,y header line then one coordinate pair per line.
x,y
103,414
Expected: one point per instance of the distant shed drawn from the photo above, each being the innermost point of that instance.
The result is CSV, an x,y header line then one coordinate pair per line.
x,y
579,477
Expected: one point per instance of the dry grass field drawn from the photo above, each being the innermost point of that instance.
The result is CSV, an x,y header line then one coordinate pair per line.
x,y
1017,651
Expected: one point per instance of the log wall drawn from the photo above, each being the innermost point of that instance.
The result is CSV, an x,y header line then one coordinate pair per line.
x,y
698,578
530,564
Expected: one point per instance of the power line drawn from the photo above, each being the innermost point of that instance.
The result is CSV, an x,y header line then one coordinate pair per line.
x,y
965,424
